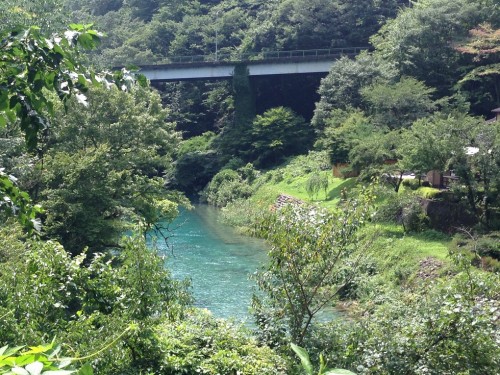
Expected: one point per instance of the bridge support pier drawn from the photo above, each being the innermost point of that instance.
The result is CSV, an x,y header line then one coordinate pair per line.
x,y
244,96
236,136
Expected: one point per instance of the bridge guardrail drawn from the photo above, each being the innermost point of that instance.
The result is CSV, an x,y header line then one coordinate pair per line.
x,y
267,55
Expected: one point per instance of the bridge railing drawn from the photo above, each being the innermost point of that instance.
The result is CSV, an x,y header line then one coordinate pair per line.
x,y
268,55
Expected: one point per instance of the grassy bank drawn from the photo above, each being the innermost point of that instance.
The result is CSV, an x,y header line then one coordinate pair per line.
x,y
396,256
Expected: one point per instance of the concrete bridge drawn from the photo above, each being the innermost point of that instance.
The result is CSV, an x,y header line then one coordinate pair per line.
x,y
220,66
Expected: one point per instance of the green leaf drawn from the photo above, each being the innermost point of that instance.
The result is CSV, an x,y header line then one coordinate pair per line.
x,y
339,372
39,349
86,369
64,362
87,41
304,358
76,26
25,359
141,80
81,80
54,351
49,80
58,49
14,100
13,350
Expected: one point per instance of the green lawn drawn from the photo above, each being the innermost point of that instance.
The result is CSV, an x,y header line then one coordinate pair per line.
x,y
412,245
296,187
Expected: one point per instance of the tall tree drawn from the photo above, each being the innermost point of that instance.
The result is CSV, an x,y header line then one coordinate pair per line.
x,y
31,65
301,24
341,88
464,144
104,166
398,105
420,40
343,132
277,133
46,14
484,45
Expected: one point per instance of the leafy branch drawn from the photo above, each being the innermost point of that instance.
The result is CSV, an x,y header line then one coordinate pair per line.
x,y
308,367
45,359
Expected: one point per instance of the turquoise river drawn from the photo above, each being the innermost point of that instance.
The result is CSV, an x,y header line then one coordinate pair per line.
x,y
216,259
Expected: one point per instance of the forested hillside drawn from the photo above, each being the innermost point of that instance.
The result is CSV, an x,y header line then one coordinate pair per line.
x,y
152,31
376,186
430,42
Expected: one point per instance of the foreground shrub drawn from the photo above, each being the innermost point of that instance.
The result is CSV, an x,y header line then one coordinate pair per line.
x,y
313,256
86,303
451,327
201,344
37,359
453,331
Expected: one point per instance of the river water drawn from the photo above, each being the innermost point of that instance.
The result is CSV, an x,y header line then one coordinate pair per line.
x,y
218,261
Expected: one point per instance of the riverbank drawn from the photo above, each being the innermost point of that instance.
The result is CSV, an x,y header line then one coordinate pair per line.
x,y
396,252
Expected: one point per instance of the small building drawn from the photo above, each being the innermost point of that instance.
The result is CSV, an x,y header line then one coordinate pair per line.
x,y
440,180
434,178
342,170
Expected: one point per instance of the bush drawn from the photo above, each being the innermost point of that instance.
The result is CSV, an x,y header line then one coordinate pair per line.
x,y
85,303
234,163
428,192
305,164
194,170
451,328
443,334
413,217
248,173
277,176
243,214
226,187
482,251
489,245
413,184
490,264
311,258
404,209
202,344
198,143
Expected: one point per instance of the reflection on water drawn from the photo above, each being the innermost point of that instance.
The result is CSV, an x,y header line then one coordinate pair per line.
x,y
217,260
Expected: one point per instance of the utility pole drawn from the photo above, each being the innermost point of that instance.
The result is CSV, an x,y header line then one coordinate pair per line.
x,y
217,35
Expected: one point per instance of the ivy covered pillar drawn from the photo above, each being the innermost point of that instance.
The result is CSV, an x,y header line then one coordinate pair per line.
x,y
236,137
244,96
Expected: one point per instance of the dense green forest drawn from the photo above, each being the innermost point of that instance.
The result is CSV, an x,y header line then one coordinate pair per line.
x,y
93,159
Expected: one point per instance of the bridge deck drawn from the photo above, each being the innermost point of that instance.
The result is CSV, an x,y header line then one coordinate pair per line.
x,y
266,63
